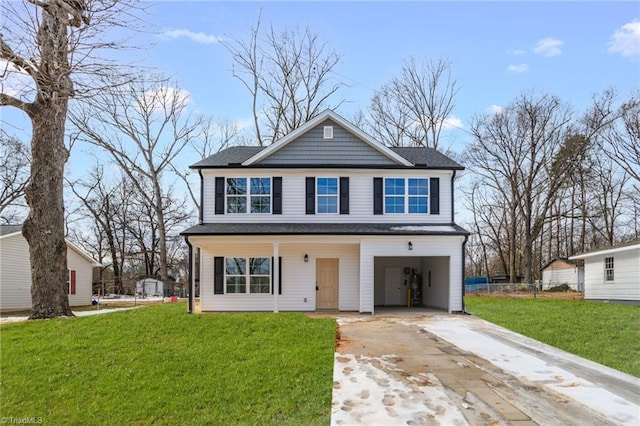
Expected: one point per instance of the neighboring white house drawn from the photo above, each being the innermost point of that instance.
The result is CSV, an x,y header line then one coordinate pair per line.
x,y
149,286
327,218
613,274
15,271
563,271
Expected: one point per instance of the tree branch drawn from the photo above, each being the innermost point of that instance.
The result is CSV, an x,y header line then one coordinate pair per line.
x,y
7,100
7,53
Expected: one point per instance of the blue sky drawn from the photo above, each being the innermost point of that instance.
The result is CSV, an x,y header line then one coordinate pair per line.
x,y
497,50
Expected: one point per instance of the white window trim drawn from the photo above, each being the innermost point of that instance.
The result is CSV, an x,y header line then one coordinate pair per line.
x,y
612,269
327,132
337,212
247,275
248,195
406,196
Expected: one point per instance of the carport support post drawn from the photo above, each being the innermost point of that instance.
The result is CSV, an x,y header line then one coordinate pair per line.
x,y
276,275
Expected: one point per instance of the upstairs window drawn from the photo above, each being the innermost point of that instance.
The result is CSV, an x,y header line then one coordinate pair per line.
x,y
608,268
394,192
260,195
406,195
418,195
252,192
327,195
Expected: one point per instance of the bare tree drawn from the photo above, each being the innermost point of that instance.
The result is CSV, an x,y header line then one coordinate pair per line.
x,y
288,76
48,49
210,137
416,106
143,126
104,203
622,136
14,174
526,151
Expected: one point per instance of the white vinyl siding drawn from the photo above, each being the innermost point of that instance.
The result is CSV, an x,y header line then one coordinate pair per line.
x,y
83,279
15,274
298,276
423,246
626,284
360,196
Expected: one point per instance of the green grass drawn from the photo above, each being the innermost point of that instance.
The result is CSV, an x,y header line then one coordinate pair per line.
x,y
160,365
606,333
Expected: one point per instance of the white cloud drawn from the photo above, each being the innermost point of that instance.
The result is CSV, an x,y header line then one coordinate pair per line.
x,y
16,82
517,52
548,47
452,122
165,97
198,37
626,40
494,109
518,69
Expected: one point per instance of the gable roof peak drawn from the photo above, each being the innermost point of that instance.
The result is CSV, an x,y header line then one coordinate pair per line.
x,y
338,119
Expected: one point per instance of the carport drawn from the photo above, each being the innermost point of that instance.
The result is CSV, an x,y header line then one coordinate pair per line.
x,y
412,281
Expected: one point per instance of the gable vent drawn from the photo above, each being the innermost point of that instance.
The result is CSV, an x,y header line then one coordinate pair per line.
x,y
328,132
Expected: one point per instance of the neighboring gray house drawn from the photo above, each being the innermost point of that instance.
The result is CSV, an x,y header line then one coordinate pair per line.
x,y
613,274
15,271
563,271
327,218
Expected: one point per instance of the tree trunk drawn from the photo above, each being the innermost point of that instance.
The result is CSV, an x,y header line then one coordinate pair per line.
x,y
44,227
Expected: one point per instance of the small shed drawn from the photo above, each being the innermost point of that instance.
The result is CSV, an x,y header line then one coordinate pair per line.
x,y
612,274
563,271
149,286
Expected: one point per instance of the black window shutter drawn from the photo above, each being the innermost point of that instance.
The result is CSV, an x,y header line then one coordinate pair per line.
x,y
277,195
218,275
344,195
219,195
279,278
377,195
311,195
434,195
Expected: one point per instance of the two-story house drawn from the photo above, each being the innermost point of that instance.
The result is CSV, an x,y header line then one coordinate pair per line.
x,y
327,218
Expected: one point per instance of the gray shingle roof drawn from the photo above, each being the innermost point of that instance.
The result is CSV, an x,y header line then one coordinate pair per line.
x,y
425,158
233,155
9,229
323,229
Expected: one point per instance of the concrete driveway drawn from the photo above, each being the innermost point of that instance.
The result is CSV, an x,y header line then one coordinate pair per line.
x,y
423,368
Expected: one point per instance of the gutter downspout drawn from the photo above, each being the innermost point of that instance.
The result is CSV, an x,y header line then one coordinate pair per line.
x,y
464,246
192,287
201,212
453,204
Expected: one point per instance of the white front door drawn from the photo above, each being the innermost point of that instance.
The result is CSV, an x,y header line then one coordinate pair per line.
x,y
393,287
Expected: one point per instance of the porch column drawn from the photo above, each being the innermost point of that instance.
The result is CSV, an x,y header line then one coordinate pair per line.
x,y
276,275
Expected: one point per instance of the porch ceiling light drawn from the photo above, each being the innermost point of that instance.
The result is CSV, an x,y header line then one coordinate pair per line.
x,y
410,245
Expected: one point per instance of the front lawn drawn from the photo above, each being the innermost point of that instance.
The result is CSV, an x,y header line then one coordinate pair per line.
x,y
160,365
602,332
